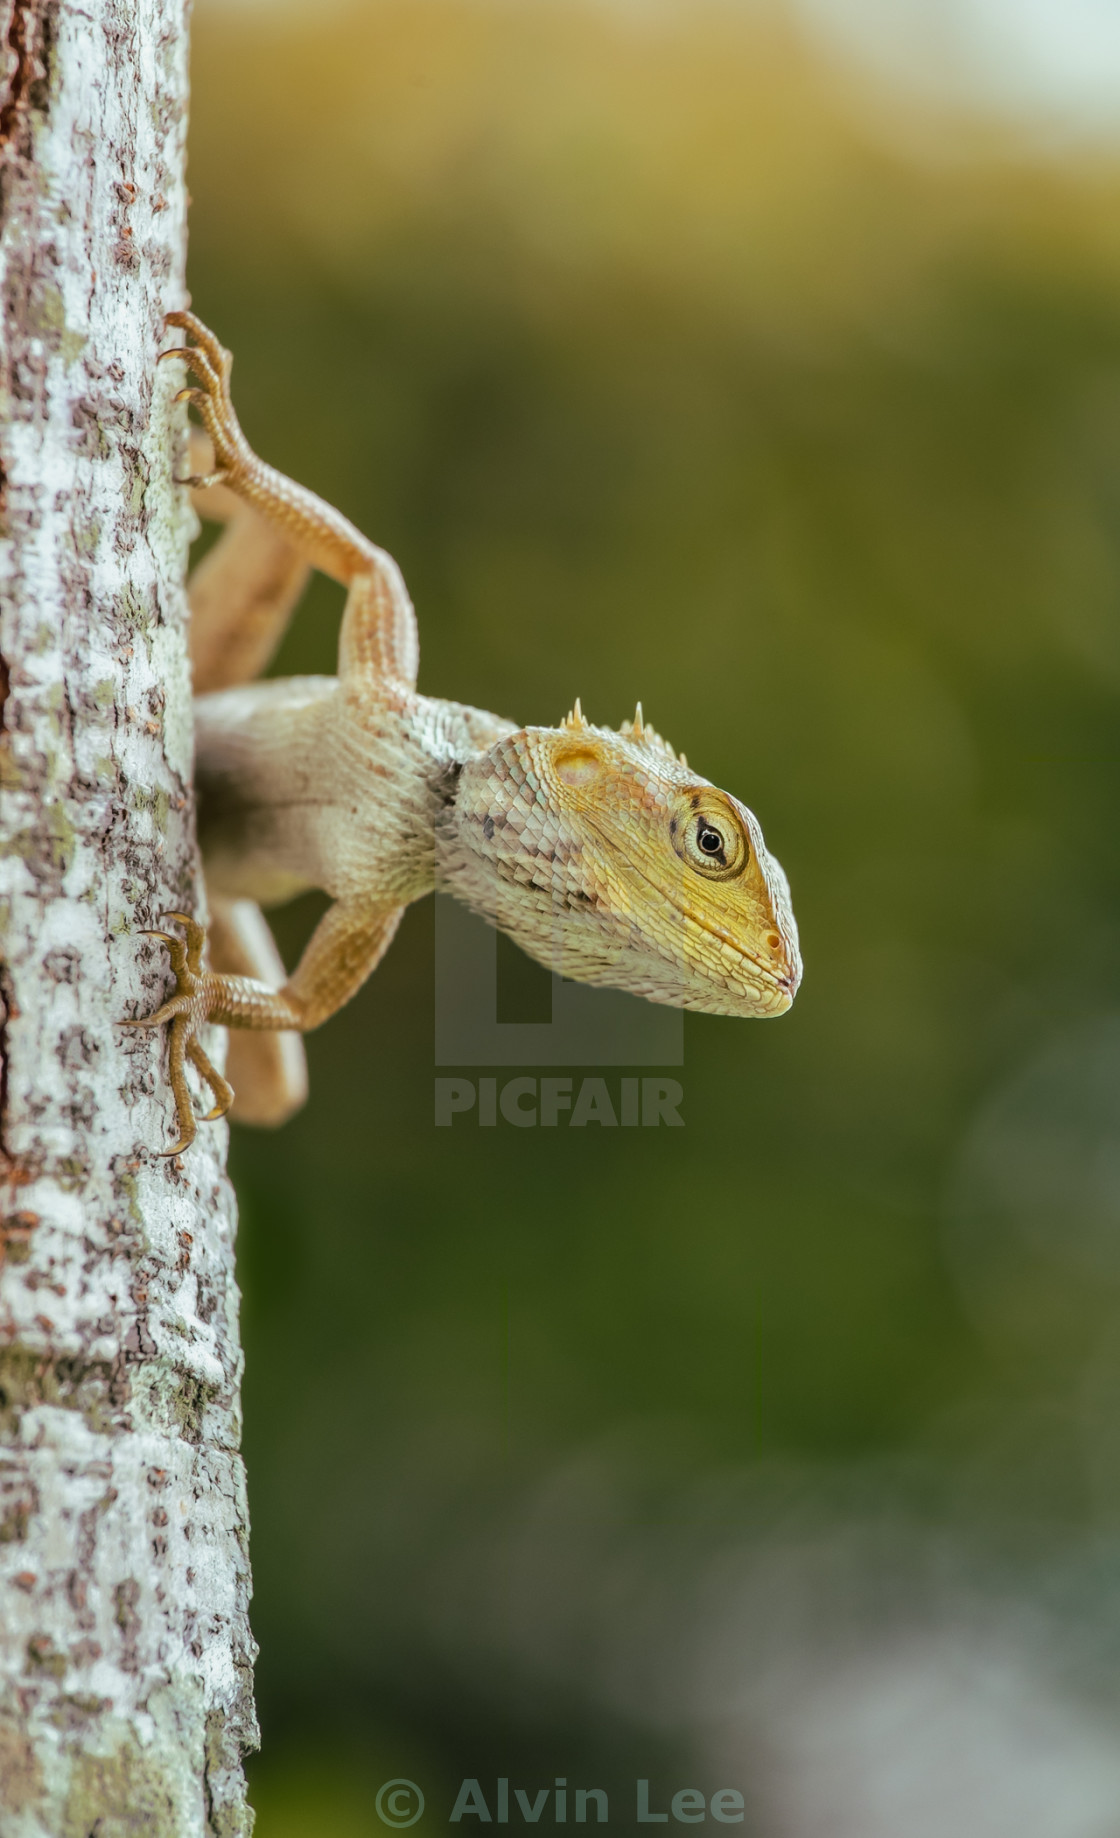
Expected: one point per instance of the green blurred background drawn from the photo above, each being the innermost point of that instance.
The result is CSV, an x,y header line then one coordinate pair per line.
x,y
671,358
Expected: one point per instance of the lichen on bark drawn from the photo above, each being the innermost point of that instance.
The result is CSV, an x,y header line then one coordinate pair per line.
x,y
125,1652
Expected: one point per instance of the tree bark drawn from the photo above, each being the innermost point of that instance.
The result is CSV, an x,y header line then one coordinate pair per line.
x,y
125,1652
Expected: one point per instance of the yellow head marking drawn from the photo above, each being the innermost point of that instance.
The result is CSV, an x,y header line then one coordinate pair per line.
x,y
578,765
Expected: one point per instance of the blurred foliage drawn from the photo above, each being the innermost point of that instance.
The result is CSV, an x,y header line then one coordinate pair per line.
x,y
669,363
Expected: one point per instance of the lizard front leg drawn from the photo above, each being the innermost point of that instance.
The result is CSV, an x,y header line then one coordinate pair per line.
x,y
379,626
268,1072
244,591
343,950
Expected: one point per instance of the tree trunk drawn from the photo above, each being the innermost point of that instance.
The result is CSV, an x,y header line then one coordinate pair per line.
x,y
125,1653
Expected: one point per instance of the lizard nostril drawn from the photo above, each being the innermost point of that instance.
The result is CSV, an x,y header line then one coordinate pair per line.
x,y
773,941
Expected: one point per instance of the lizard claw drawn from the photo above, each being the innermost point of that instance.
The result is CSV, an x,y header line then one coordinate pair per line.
x,y
194,355
185,1012
222,1089
196,938
215,351
211,363
184,1142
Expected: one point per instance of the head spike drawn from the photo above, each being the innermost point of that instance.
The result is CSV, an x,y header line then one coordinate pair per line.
x,y
683,761
575,718
640,731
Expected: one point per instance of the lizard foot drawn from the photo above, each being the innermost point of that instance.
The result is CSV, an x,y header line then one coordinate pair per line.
x,y
185,1012
211,364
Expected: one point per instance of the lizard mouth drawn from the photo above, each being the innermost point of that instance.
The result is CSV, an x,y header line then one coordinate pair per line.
x,y
786,982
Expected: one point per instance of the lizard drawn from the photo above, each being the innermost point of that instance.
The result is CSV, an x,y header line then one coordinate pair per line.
x,y
598,850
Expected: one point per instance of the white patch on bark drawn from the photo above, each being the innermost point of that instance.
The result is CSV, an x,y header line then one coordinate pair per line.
x,y
125,1652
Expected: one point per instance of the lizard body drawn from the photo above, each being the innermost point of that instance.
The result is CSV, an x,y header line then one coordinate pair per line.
x,y
599,851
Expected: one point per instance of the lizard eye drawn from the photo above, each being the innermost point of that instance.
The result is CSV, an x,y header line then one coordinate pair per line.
x,y
711,840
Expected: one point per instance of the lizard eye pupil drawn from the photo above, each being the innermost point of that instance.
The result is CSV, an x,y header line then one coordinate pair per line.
x,y
710,841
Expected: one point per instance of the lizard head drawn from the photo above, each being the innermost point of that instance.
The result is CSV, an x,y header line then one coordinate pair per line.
x,y
606,858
